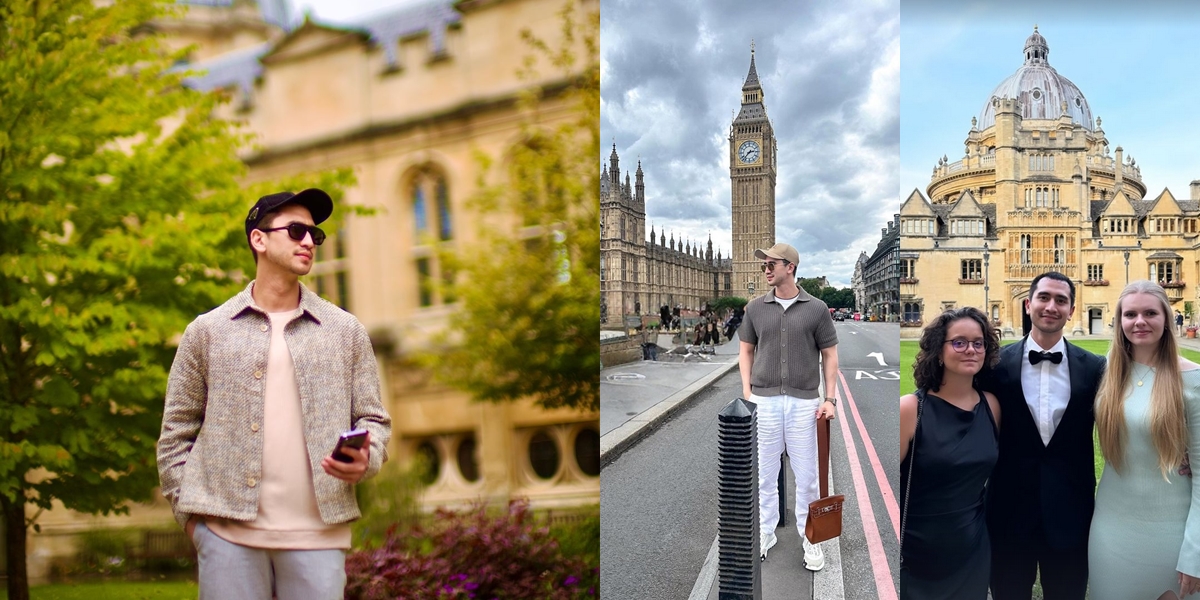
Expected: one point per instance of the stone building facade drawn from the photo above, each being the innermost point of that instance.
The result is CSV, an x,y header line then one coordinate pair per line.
x,y
858,284
881,277
639,274
406,99
1037,190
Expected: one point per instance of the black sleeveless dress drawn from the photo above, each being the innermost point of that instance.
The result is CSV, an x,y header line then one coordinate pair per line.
x,y
945,551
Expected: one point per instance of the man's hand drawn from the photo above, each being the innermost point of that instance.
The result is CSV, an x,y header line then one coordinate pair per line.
x,y
190,526
826,410
351,472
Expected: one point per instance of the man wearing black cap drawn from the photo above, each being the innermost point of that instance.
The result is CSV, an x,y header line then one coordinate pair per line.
x,y
783,335
260,389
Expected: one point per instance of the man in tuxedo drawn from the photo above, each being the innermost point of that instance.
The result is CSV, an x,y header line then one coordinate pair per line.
x,y
1042,491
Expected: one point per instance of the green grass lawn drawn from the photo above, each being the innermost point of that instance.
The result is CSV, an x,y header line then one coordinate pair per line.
x,y
114,590
908,355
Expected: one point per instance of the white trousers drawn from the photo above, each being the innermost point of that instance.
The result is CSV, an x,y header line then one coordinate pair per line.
x,y
230,571
786,422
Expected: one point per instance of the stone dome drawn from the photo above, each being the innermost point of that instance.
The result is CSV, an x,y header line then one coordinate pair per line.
x,y
1039,88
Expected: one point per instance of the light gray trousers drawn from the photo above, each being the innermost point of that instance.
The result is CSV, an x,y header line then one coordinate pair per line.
x,y
232,572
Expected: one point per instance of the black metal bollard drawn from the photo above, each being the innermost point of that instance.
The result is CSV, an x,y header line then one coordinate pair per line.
x,y
739,567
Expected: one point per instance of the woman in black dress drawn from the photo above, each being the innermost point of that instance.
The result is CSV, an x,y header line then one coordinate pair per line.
x,y
949,432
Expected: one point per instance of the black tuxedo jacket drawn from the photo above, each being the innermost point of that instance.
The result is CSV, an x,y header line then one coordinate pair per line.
x,y
1056,483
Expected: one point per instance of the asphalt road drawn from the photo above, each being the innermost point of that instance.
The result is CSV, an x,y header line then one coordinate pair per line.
x,y
658,500
868,564
658,505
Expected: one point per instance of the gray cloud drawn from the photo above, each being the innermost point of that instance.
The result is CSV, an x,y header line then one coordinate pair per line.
x,y
672,73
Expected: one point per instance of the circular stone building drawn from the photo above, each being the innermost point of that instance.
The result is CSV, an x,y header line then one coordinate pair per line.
x,y
1038,189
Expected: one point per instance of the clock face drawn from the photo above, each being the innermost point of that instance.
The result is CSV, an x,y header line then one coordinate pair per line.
x,y
748,152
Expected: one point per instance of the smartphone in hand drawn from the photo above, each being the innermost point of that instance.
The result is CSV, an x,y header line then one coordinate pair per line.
x,y
351,439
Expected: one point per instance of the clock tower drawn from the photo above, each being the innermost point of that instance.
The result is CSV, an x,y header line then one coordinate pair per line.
x,y
752,164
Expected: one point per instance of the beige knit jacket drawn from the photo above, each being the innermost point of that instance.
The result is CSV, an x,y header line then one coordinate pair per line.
x,y
210,450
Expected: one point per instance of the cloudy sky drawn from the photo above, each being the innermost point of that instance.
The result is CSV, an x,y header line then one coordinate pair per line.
x,y
1134,63
671,78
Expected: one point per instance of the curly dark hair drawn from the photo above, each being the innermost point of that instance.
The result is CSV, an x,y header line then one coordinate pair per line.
x,y
927,370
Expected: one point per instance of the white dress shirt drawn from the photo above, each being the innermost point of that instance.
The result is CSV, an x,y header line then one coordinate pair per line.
x,y
1047,388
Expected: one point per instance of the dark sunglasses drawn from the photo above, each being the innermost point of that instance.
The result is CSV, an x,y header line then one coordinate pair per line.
x,y
296,231
770,266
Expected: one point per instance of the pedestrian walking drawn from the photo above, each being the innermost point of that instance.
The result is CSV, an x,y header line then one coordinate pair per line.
x,y
260,390
785,335
1179,323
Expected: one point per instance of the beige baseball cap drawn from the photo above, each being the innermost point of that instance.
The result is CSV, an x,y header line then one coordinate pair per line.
x,y
779,251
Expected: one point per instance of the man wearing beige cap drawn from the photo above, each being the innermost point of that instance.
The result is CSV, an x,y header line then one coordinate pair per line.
x,y
782,336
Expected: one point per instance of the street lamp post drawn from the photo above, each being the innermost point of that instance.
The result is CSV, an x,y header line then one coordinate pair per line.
x,y
987,308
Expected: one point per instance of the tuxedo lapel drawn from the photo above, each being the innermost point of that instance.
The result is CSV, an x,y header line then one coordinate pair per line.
x,y
1013,400
1080,402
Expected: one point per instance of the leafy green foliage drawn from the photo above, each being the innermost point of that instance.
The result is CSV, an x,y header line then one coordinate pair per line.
x,y
529,326
725,303
121,222
833,298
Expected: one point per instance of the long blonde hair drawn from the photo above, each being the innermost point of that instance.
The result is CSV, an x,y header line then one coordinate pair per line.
x,y
1168,427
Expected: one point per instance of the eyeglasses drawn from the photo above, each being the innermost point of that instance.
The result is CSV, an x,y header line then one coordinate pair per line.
x,y
961,345
770,266
296,231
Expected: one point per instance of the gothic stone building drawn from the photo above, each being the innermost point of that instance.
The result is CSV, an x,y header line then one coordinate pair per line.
x,y
638,275
1038,190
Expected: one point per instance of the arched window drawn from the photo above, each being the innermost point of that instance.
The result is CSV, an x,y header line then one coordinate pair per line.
x,y
445,222
428,196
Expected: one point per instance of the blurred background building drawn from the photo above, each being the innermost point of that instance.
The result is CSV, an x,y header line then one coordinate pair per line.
x,y
405,98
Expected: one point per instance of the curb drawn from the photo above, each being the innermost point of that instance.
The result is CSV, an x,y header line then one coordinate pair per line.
x,y
617,441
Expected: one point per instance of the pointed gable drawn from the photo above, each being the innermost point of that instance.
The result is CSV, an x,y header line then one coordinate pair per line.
x,y
966,207
1120,206
916,206
313,37
1165,205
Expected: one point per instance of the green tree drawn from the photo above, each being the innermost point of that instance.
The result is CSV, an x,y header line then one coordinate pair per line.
x,y
725,303
812,285
121,221
529,325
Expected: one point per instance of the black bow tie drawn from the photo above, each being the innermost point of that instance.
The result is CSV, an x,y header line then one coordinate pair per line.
x,y
1036,357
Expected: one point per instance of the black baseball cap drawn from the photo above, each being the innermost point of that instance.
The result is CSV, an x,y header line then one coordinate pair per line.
x,y
316,201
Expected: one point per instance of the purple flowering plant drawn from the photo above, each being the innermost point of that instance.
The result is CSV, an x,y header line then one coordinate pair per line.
x,y
473,554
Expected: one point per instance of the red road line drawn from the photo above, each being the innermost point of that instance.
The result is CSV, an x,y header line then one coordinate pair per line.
x,y
879,563
885,487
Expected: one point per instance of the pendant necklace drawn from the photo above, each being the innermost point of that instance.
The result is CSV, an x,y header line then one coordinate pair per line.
x,y
1142,377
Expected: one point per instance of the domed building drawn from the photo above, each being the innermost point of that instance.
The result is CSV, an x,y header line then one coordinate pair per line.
x,y
1038,189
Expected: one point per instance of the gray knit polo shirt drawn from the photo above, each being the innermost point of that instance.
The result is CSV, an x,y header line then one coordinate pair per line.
x,y
787,344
